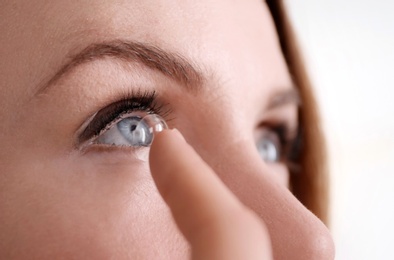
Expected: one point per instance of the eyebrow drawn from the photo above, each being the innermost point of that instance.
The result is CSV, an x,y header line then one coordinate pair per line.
x,y
172,65
290,96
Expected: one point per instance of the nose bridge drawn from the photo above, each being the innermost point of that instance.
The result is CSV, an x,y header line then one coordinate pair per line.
x,y
295,232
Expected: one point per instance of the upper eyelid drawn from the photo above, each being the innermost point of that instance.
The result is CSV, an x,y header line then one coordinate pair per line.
x,y
279,116
139,101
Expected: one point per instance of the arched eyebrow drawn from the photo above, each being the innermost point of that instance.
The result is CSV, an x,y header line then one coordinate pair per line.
x,y
290,96
172,65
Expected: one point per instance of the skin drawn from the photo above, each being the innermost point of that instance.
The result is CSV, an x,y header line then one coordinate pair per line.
x,y
223,201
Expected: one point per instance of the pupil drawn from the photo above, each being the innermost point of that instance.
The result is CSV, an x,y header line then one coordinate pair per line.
x,y
133,127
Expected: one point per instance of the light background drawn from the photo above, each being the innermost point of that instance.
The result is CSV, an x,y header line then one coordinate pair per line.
x,y
349,51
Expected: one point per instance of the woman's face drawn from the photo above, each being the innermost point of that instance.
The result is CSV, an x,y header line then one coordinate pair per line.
x,y
70,69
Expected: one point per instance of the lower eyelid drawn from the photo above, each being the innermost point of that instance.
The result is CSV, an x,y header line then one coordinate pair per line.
x,y
281,173
121,153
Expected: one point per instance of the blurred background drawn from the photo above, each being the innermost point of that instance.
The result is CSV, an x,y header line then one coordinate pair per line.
x,y
349,51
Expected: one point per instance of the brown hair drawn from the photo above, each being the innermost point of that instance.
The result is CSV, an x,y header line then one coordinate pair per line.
x,y
310,184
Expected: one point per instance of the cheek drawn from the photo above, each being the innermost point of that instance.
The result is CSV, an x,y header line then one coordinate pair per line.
x,y
80,207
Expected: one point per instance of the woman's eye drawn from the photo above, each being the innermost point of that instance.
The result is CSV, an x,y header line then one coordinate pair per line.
x,y
125,132
269,147
132,131
131,121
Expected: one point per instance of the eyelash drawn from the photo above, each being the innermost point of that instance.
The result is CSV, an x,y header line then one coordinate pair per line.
x,y
291,143
140,101
146,101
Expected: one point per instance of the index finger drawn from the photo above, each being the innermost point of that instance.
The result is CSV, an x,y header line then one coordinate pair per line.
x,y
210,217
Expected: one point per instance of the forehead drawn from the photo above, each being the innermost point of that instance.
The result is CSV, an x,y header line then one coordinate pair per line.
x,y
218,34
144,19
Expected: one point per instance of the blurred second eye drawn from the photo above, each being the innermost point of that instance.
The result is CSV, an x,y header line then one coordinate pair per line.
x,y
269,147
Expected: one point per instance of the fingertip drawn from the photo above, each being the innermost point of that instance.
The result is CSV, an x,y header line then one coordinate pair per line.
x,y
210,217
165,136
163,141
166,147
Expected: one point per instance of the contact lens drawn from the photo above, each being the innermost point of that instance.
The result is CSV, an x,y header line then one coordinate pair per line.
x,y
145,130
132,130
143,133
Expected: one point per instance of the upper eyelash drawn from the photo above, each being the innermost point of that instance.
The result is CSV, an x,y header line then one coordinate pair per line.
x,y
294,152
145,101
291,143
292,147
